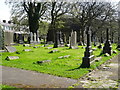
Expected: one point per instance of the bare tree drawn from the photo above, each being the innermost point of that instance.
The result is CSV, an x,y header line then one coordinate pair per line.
x,y
31,9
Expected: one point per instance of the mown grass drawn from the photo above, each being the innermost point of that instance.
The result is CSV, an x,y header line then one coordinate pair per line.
x,y
60,67
6,86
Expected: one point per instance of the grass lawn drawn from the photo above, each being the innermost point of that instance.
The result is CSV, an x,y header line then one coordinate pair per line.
x,y
59,67
6,86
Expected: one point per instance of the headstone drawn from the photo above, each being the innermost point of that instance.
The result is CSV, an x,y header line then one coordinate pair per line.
x,y
61,38
57,41
38,40
10,49
8,37
27,50
35,38
31,37
66,56
12,57
20,39
53,51
88,55
36,47
26,45
49,47
45,61
73,40
60,57
107,46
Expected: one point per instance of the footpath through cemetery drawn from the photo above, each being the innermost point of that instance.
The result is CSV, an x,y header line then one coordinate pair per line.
x,y
77,46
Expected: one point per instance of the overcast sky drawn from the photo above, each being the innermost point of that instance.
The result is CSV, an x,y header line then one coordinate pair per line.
x,y
5,9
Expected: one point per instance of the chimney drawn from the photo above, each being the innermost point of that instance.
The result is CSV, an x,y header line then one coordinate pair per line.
x,y
4,21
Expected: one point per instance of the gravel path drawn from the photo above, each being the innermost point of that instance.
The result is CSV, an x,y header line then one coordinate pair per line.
x,y
106,76
31,79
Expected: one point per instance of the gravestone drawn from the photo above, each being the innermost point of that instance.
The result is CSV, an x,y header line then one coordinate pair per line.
x,y
12,57
45,61
36,47
38,40
88,55
8,37
57,42
20,39
35,38
27,50
26,45
107,46
53,51
10,49
61,39
73,40
49,47
66,56
31,37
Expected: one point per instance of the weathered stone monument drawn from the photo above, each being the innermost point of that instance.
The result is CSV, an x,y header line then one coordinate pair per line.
x,y
61,38
73,40
31,37
10,49
88,55
38,40
56,43
20,39
8,37
107,46
35,41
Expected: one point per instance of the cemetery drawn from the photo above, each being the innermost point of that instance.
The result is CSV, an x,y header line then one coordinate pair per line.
x,y
67,49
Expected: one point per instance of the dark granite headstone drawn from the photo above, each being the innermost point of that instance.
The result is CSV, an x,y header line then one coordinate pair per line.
x,y
10,49
107,46
20,37
88,55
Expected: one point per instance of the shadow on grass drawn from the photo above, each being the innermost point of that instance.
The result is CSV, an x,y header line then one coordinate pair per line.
x,y
78,68
73,69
